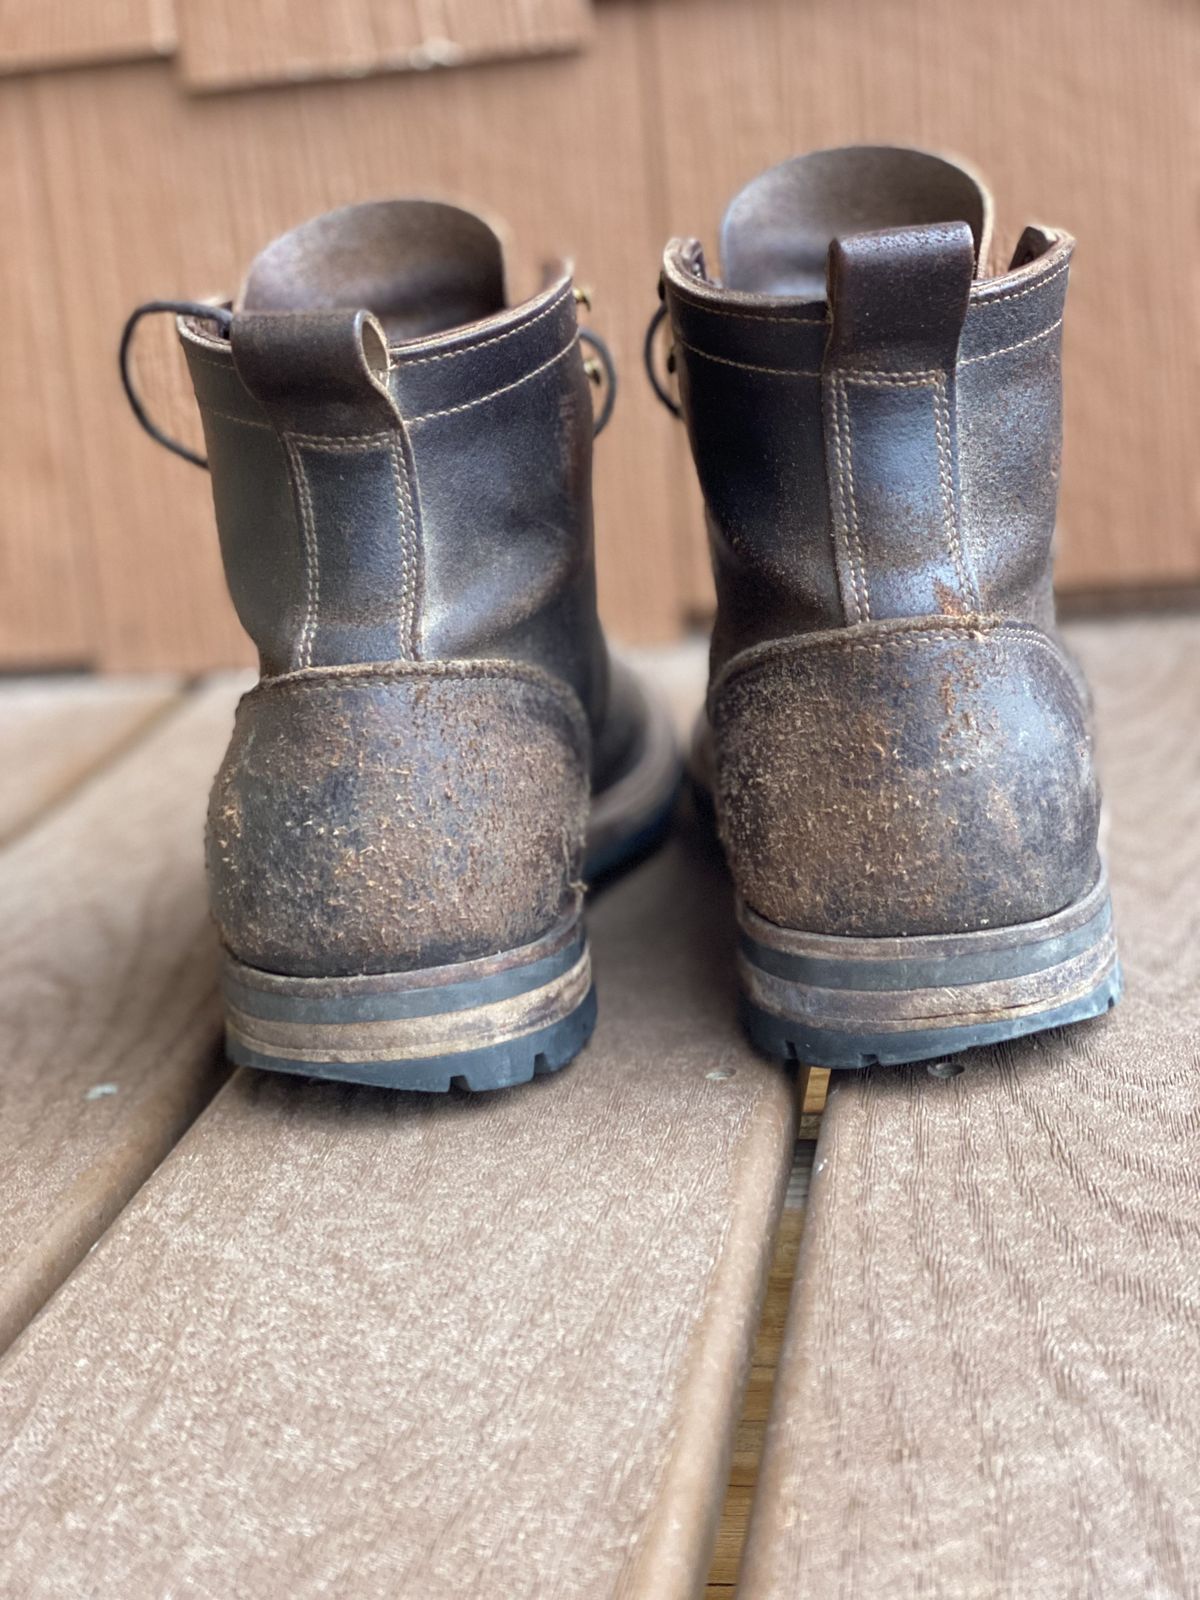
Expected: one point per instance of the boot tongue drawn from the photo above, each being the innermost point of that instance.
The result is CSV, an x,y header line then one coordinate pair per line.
x,y
776,234
421,267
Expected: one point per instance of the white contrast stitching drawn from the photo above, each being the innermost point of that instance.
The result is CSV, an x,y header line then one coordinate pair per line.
x,y
945,450
838,508
749,366
1019,294
410,553
469,405
228,416
468,349
748,316
990,355
311,554
855,531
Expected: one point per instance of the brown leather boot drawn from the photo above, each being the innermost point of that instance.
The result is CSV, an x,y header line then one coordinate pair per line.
x,y
897,743
440,749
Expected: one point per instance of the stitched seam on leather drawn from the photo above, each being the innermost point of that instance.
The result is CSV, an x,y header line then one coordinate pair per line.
x,y
469,349
410,554
340,676
215,362
1019,294
343,443
945,449
228,416
839,504
483,399
856,539
1001,634
902,378
749,366
311,554
748,317
990,355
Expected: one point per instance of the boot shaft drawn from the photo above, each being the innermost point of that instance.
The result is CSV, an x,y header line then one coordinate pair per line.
x,y
876,426
401,464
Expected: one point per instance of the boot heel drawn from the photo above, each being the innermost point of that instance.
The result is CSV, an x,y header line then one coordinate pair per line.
x,y
861,1002
482,1024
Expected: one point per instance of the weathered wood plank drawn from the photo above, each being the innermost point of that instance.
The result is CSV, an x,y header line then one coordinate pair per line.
x,y
54,731
438,1346
61,33
231,43
108,1018
990,1382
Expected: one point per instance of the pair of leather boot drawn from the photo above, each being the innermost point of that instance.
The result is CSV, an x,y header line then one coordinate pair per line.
x,y
441,752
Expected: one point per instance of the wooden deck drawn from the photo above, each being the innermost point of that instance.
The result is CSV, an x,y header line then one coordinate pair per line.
x,y
262,1336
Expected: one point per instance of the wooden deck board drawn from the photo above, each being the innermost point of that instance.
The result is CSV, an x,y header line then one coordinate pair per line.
x,y
55,731
346,1342
990,1381
108,1019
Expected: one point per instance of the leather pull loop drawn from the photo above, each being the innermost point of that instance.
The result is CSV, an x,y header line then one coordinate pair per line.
x,y
318,372
898,301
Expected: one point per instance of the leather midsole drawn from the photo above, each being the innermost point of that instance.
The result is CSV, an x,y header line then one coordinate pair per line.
x,y
896,985
416,1037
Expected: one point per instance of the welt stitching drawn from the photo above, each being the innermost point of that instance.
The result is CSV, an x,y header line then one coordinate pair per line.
x,y
945,450
855,530
498,338
1019,294
749,366
483,399
841,520
410,554
311,553
990,355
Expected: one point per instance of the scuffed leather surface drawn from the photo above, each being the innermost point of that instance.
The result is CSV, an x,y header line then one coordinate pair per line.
x,y
750,367
495,418
374,820
877,433
911,777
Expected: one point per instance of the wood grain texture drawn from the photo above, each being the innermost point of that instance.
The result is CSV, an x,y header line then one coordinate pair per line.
x,y
363,1343
109,1024
1080,116
990,1382
231,43
152,193
55,731
62,33
45,522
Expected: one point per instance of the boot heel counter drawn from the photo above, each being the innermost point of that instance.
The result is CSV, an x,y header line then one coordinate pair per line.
x,y
922,777
385,819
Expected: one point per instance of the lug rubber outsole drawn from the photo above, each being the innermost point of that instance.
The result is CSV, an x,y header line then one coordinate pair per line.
x,y
484,1024
850,1003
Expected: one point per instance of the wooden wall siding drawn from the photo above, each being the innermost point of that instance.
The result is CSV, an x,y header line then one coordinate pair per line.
x,y
230,43
61,33
131,188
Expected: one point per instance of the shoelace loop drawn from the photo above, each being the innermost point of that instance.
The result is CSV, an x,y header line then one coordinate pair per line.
x,y
664,394
221,315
